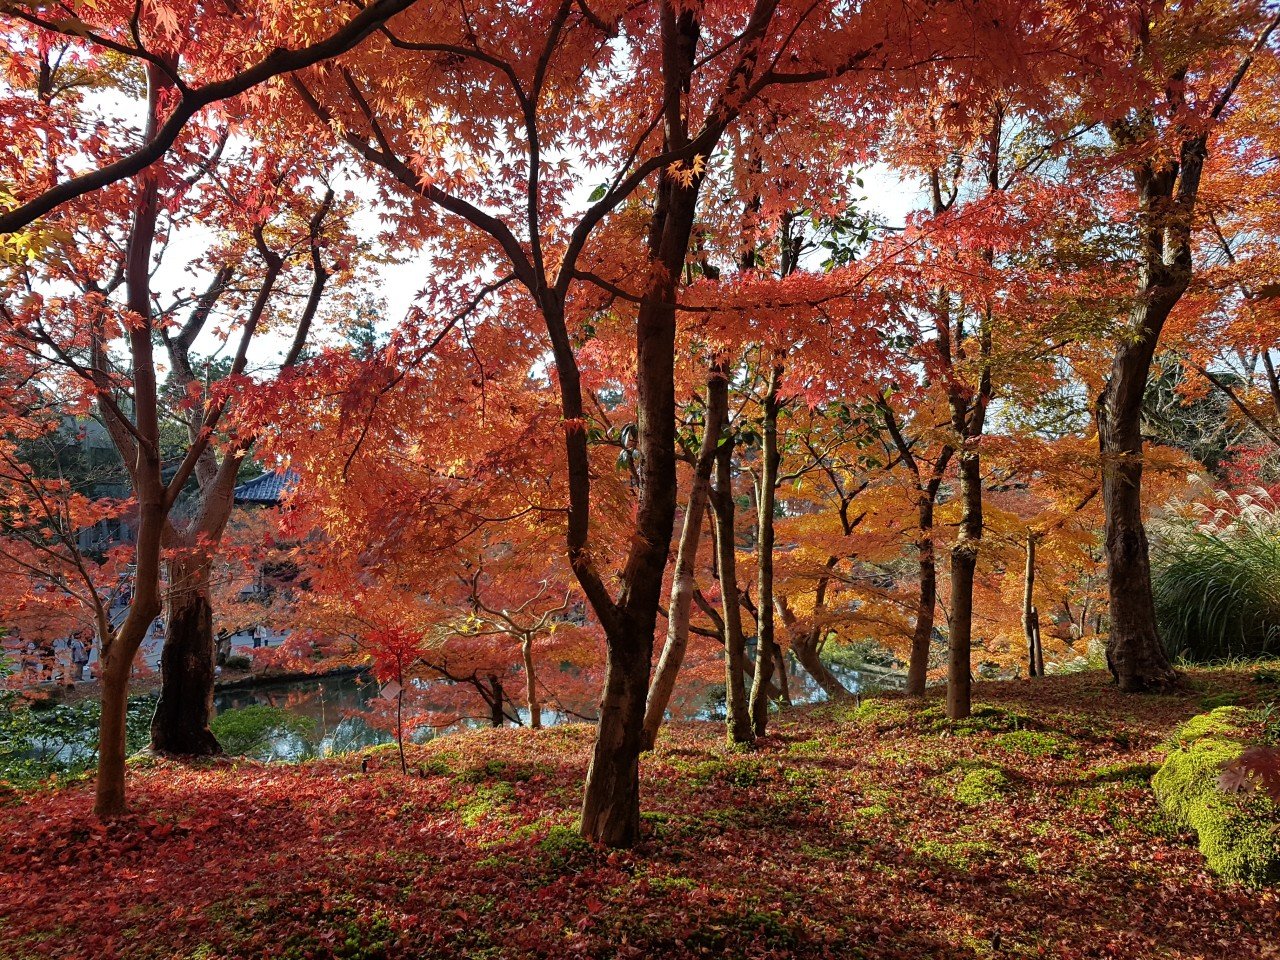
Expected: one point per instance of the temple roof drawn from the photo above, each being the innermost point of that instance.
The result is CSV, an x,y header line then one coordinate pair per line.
x,y
269,488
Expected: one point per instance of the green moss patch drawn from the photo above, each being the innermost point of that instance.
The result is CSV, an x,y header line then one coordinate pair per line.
x,y
982,785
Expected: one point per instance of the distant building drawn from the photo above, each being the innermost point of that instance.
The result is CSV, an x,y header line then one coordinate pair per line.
x,y
266,490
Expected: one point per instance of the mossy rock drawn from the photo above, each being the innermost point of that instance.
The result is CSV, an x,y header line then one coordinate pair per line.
x,y
1192,771
982,785
1239,834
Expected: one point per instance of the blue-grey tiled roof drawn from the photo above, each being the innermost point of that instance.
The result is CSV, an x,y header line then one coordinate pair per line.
x,y
266,489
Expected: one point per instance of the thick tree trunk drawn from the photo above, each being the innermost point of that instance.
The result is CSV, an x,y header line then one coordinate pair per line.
x,y
683,584
737,710
611,806
766,654
1135,655
180,724
964,561
531,683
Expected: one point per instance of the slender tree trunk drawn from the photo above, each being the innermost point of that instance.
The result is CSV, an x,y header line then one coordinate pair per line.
x,y
765,652
112,746
497,717
1039,644
737,710
926,560
180,724
806,644
531,684
1028,605
964,562
404,764
683,584
781,671
119,649
927,602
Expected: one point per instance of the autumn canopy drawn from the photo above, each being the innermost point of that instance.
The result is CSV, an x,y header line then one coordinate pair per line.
x,y
621,363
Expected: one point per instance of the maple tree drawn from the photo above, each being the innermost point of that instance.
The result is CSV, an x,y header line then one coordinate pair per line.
x,y
1164,138
647,252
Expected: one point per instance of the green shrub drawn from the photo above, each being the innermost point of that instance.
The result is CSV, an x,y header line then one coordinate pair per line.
x,y
249,731
1217,586
60,740
239,662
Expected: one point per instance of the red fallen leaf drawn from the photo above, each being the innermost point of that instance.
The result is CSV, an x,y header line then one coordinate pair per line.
x,y
1257,769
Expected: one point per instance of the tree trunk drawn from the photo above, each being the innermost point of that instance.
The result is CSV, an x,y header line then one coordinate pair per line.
x,y
737,711
497,717
112,745
765,648
531,684
180,724
1028,606
806,644
1135,655
964,561
782,673
830,684
926,604
683,584
611,805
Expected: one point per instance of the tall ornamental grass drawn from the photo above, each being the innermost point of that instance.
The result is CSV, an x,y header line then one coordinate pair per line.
x,y
1216,579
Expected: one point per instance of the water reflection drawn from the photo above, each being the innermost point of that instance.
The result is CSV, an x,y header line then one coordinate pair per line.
x,y
335,711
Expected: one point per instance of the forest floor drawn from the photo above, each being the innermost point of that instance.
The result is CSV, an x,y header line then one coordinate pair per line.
x,y
879,832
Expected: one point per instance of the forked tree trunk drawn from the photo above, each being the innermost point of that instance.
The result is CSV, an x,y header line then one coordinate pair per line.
x,y
765,648
926,557
683,583
611,801
180,724
531,683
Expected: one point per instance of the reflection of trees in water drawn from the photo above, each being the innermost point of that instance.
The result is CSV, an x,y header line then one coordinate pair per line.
x,y
340,710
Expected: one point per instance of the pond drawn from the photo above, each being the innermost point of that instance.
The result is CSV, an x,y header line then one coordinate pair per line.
x,y
333,711
299,719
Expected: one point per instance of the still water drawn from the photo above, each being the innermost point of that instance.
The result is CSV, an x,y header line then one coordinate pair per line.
x,y
335,711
